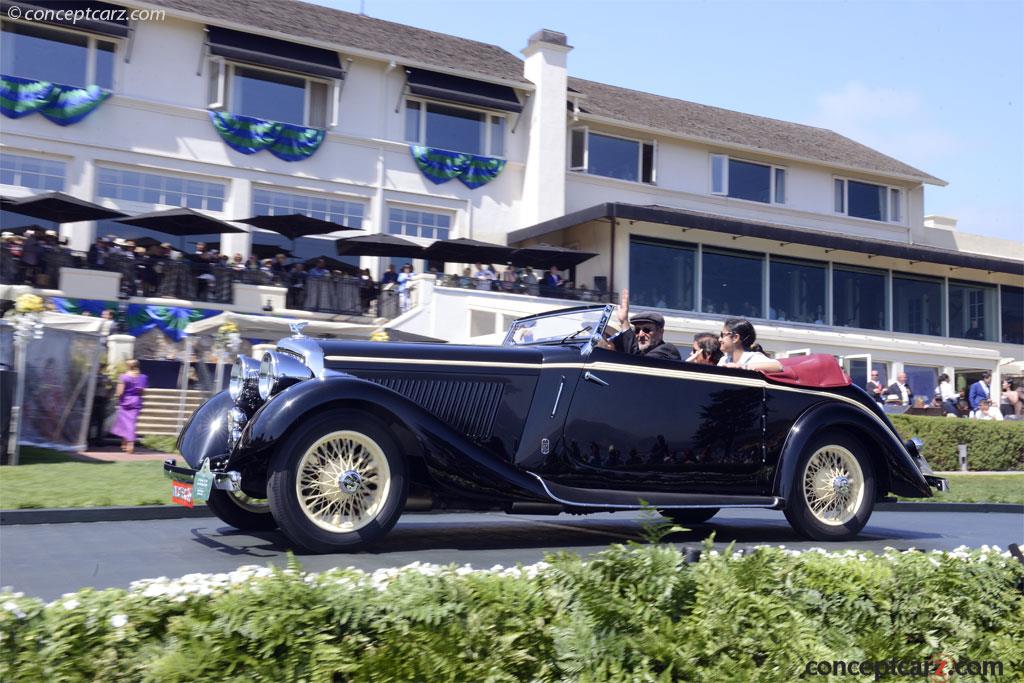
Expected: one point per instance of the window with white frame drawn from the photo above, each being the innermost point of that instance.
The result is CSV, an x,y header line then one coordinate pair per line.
x,y
273,203
867,200
453,128
740,179
273,95
611,156
155,188
419,223
32,172
56,55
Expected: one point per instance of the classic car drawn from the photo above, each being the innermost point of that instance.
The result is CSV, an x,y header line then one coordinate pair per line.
x,y
331,440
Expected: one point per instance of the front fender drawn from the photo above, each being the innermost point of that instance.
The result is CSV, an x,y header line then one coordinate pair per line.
x,y
452,460
901,475
206,433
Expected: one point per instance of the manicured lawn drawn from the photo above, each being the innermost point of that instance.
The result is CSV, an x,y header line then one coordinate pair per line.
x,y
50,479
979,488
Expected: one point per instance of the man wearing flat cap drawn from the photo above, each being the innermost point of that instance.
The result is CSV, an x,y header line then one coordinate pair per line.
x,y
642,334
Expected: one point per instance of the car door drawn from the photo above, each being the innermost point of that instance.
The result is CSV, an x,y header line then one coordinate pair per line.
x,y
656,425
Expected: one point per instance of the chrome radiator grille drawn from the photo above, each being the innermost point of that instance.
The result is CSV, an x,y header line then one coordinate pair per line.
x,y
469,407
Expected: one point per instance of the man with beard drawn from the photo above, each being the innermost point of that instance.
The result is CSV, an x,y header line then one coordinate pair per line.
x,y
643,334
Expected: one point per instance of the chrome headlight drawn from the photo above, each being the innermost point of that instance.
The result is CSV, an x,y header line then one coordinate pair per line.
x,y
279,371
244,379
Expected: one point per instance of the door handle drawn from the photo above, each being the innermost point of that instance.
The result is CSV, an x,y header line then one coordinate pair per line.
x,y
591,377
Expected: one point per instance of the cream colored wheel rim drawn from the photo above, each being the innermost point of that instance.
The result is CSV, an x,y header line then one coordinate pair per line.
x,y
258,506
342,481
833,485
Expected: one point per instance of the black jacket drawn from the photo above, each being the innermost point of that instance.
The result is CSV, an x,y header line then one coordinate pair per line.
x,y
894,388
625,341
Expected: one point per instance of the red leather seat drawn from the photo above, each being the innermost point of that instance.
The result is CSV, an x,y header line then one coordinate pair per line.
x,y
816,370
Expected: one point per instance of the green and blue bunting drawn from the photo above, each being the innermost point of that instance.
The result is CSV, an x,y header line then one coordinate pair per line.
x,y
248,135
440,166
171,320
61,104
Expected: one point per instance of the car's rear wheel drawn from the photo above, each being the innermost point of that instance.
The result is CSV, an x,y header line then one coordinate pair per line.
x,y
690,515
833,493
338,482
240,511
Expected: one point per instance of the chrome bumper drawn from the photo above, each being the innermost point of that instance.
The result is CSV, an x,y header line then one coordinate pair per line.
x,y
914,447
226,481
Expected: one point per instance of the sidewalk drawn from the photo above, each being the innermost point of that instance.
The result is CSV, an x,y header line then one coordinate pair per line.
x,y
114,454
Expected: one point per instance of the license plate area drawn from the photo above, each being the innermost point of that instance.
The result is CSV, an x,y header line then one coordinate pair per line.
x,y
181,494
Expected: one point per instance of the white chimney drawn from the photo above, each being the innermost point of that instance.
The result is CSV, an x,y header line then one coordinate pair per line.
x,y
544,181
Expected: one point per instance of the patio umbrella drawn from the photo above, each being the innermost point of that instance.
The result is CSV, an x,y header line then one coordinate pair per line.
x,y
145,242
295,225
60,208
464,250
334,264
378,244
180,222
546,255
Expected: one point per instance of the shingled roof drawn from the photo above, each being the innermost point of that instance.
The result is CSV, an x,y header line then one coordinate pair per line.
x,y
305,22
736,128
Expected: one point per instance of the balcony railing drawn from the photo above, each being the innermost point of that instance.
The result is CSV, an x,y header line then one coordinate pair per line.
x,y
529,288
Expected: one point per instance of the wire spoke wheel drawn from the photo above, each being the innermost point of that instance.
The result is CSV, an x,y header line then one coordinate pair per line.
x,y
833,485
342,480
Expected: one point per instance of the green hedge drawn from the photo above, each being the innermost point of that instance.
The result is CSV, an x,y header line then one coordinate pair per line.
x,y
991,445
629,614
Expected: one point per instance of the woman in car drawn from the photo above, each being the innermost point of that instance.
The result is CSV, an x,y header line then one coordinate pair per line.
x,y
738,342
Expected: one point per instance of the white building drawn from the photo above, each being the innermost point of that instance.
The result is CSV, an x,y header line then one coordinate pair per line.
x,y
700,211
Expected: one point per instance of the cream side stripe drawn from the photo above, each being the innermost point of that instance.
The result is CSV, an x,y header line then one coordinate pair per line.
x,y
612,367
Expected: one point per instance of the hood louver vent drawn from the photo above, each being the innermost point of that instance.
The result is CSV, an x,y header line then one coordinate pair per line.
x,y
469,407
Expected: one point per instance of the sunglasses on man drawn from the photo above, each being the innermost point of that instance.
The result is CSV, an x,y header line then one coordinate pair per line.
x,y
643,329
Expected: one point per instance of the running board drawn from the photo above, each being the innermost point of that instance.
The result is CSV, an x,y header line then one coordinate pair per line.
x,y
572,496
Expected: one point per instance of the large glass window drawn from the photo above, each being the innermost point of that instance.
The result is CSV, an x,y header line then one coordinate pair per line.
x,y
1012,309
867,200
747,180
273,203
916,304
797,291
31,172
922,380
152,188
612,157
662,274
49,54
972,311
454,128
268,95
414,223
732,283
858,297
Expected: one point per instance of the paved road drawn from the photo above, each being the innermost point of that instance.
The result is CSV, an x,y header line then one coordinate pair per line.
x,y
47,560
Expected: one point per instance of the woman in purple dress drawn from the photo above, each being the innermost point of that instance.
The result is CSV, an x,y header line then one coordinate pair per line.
x,y
129,404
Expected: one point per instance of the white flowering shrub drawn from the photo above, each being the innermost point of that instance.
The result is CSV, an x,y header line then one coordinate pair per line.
x,y
637,613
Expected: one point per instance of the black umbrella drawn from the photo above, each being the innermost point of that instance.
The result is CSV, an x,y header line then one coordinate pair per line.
x,y
546,255
334,264
145,242
180,222
378,244
464,250
60,208
295,225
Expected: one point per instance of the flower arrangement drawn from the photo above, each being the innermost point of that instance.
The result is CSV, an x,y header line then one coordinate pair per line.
x,y
227,337
29,303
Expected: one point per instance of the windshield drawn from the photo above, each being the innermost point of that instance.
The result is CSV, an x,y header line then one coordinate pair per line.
x,y
574,325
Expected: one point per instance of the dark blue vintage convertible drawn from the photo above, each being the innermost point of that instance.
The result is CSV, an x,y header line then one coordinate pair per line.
x,y
331,440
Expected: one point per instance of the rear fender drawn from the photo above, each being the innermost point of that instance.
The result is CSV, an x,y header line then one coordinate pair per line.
x,y
451,459
896,470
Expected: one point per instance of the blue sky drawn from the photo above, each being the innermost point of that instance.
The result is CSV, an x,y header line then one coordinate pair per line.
x,y
937,85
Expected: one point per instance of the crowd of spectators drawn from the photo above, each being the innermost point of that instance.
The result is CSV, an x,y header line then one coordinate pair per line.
x,y
974,402
549,283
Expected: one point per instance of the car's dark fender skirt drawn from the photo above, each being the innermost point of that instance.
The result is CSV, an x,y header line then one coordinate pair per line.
x,y
904,476
453,461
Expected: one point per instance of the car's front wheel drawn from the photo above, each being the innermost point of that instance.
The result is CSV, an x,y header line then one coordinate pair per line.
x,y
338,482
834,490
240,511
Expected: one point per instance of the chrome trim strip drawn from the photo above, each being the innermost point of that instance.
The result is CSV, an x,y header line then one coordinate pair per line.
x,y
776,502
558,396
